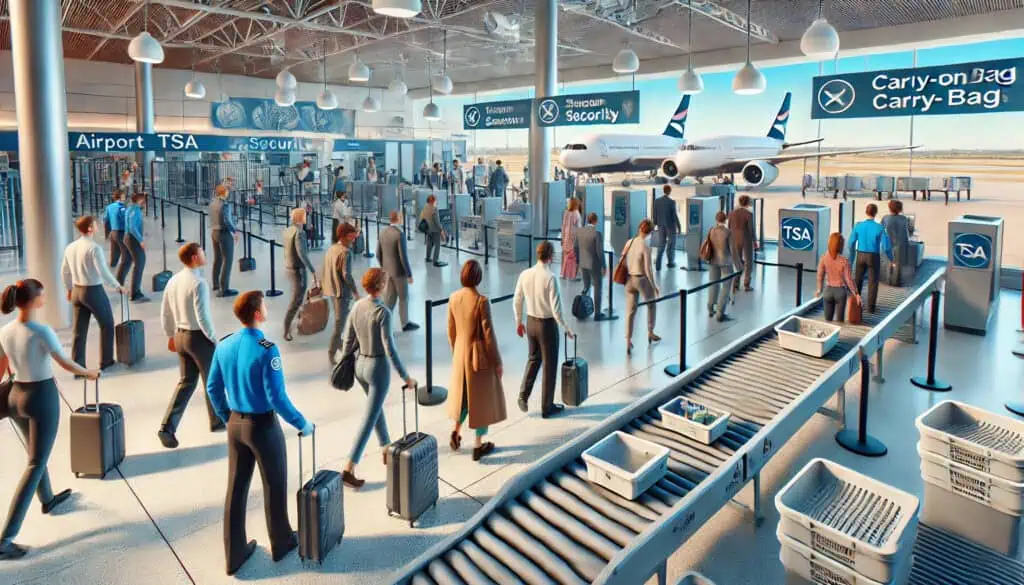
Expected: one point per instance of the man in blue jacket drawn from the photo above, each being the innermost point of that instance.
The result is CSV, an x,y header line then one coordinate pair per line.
x,y
136,247
113,221
867,242
498,180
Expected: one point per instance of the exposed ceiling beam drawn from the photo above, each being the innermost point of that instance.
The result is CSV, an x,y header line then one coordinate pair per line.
x,y
185,26
285,22
728,18
117,26
622,22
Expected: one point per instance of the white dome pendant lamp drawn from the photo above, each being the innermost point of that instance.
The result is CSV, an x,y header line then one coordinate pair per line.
x,y
431,112
443,84
398,8
690,82
626,61
358,71
326,100
286,80
371,104
749,80
144,48
285,97
820,40
195,89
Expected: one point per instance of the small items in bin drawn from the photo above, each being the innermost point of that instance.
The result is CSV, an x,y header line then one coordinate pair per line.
x,y
807,336
694,420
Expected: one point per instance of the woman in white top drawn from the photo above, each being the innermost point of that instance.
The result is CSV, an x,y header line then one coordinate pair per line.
x,y
33,402
637,255
340,213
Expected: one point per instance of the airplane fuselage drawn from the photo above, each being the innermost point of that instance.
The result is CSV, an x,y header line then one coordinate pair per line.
x,y
710,156
615,153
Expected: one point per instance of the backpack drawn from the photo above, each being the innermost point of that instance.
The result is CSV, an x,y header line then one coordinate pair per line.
x,y
582,306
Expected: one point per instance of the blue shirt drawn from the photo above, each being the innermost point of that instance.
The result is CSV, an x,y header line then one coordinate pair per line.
x,y
869,236
133,219
339,184
246,377
114,216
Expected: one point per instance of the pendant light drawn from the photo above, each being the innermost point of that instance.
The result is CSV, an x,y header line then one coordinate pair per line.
x,y
326,100
820,40
431,112
285,97
286,80
195,89
443,83
358,71
749,80
371,104
626,61
398,87
144,48
690,82
397,8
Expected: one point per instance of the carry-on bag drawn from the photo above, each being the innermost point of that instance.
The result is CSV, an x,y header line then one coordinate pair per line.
x,y
583,305
314,313
129,337
854,310
321,506
575,376
411,469
621,273
161,278
97,436
343,376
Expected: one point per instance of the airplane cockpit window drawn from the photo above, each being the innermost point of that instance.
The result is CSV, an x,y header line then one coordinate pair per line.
x,y
575,147
693,147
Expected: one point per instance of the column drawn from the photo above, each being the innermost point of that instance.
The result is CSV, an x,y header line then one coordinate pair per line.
x,y
144,116
42,145
545,61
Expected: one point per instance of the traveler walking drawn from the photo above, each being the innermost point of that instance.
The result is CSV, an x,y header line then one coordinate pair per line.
x,y
590,246
393,255
637,256
666,222
222,220
296,264
498,180
897,229
741,226
434,233
867,242
135,243
720,262
340,213
113,223
338,284
834,280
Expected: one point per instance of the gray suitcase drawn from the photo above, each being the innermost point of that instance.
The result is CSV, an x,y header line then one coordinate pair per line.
x,y
321,505
129,338
575,377
411,470
97,436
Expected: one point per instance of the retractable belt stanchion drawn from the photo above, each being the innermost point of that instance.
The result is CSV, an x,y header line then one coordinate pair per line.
x,y
859,441
799,283
366,238
930,383
430,395
611,316
677,369
180,239
163,215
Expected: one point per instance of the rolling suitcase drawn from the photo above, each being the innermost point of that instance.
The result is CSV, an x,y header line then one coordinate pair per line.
x,y
160,278
321,505
97,436
129,338
412,470
575,377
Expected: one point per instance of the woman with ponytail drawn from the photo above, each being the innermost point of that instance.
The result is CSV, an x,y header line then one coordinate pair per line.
x,y
33,403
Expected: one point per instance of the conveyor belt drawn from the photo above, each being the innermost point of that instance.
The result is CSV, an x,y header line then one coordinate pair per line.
x,y
941,558
550,526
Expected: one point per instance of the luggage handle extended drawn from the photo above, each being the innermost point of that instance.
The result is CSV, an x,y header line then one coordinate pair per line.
x,y
85,393
126,310
416,410
312,436
575,346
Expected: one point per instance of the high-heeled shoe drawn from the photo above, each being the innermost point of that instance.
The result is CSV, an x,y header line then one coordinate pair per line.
x,y
652,337
629,348
456,441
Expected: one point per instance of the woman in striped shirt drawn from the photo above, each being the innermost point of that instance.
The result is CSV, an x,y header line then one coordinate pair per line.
x,y
834,275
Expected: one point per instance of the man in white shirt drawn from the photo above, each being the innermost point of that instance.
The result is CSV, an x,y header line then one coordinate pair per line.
x,y
186,319
544,315
84,273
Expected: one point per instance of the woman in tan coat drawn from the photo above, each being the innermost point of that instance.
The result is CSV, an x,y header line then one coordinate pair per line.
x,y
476,390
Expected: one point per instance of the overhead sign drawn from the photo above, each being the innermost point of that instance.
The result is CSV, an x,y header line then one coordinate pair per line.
x,y
964,88
972,250
505,115
797,233
265,114
593,109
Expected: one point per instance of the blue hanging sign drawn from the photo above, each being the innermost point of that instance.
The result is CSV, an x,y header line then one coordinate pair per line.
x,y
504,115
965,88
265,114
589,109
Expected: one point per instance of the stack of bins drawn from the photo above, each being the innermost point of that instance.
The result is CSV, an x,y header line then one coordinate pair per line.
x,y
838,527
972,463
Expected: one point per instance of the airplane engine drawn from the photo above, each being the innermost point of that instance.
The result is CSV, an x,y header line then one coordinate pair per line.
x,y
758,173
669,168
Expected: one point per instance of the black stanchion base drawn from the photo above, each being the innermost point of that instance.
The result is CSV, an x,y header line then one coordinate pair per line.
x,y
367,254
871,447
1019,350
272,292
431,396
935,386
1016,408
674,370
179,241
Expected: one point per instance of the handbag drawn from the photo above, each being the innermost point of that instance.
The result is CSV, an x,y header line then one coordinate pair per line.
x,y
621,273
854,311
707,250
479,357
5,394
423,226
343,376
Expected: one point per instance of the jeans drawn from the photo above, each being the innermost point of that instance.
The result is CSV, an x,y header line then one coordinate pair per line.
x,y
35,410
636,286
373,375
833,299
668,243
718,294
870,263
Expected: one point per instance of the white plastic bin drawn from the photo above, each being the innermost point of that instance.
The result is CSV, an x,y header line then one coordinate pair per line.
x,y
854,520
625,464
807,336
673,416
808,566
985,525
694,578
975,438
979,486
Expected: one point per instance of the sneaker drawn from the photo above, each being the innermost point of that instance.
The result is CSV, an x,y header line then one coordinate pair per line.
x,y
410,326
167,439
11,551
56,501
227,293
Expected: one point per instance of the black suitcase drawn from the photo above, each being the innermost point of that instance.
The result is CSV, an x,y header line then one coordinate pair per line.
x,y
321,505
97,437
575,377
412,470
129,338
160,278
583,305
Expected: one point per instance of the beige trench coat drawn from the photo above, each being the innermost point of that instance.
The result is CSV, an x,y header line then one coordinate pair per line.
x,y
485,396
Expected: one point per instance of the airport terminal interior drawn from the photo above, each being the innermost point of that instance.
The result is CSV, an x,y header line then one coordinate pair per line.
x,y
752,269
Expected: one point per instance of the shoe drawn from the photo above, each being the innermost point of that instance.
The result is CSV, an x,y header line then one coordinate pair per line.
x,y
725,318
440,264
349,479
748,289
218,427
56,501
288,336
332,357
410,327
555,410
523,405
672,265
140,299
652,338
109,366
293,543
249,549
11,551
455,441
601,317
629,348
479,452
711,311
167,439
227,293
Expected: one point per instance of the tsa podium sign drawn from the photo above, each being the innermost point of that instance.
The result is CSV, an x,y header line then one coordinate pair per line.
x,y
797,233
593,109
964,88
505,115
972,250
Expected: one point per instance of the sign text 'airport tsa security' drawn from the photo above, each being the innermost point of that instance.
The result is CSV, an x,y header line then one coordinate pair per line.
x,y
964,88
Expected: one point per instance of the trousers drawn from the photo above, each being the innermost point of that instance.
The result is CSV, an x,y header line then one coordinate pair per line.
x,y
124,264
718,294
35,410
833,299
116,245
256,439
341,306
223,255
592,278
195,355
636,286
433,246
397,288
668,243
743,259
869,263
298,278
138,264
88,302
542,336
373,374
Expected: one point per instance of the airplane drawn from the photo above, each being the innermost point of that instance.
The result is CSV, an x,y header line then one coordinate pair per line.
x,y
756,158
627,153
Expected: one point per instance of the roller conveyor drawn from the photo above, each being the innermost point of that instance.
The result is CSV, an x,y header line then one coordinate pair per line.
x,y
941,558
550,526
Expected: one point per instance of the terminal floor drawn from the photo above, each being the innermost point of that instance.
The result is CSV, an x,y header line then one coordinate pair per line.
x,y
160,519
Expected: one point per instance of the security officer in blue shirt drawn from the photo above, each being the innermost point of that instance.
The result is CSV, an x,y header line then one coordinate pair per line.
x,y
247,390
113,221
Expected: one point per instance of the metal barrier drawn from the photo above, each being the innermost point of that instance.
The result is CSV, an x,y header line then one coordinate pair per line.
x,y
930,382
799,267
11,224
273,290
684,295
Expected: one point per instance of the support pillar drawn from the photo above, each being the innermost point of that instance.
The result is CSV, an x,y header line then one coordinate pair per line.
x,y
42,114
144,116
545,62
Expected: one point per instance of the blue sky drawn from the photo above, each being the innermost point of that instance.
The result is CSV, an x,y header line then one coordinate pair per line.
x,y
719,111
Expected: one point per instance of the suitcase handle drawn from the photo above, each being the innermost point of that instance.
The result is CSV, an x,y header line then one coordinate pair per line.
x,y
575,346
125,310
85,393
416,410
312,436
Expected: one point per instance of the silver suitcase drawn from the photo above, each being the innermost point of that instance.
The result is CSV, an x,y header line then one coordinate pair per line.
x,y
412,470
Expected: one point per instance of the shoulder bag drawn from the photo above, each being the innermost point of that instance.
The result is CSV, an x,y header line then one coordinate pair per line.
x,y
621,273
707,250
5,395
479,356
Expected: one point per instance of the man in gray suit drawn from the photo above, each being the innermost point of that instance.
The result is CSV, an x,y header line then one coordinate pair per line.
x,y
224,234
296,264
590,252
666,221
393,255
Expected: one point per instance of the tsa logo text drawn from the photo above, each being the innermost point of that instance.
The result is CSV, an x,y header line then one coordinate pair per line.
x,y
797,233
972,250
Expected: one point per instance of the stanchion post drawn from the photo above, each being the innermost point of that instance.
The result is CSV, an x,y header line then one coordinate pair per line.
x,y
677,369
799,283
859,441
202,230
430,395
366,238
487,250
180,239
272,291
930,383
163,215
611,267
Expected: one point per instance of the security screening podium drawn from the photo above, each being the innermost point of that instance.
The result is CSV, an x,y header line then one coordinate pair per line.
x,y
629,208
972,279
803,234
700,218
554,202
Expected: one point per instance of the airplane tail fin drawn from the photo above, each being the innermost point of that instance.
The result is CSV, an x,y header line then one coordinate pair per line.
x,y
778,129
677,123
